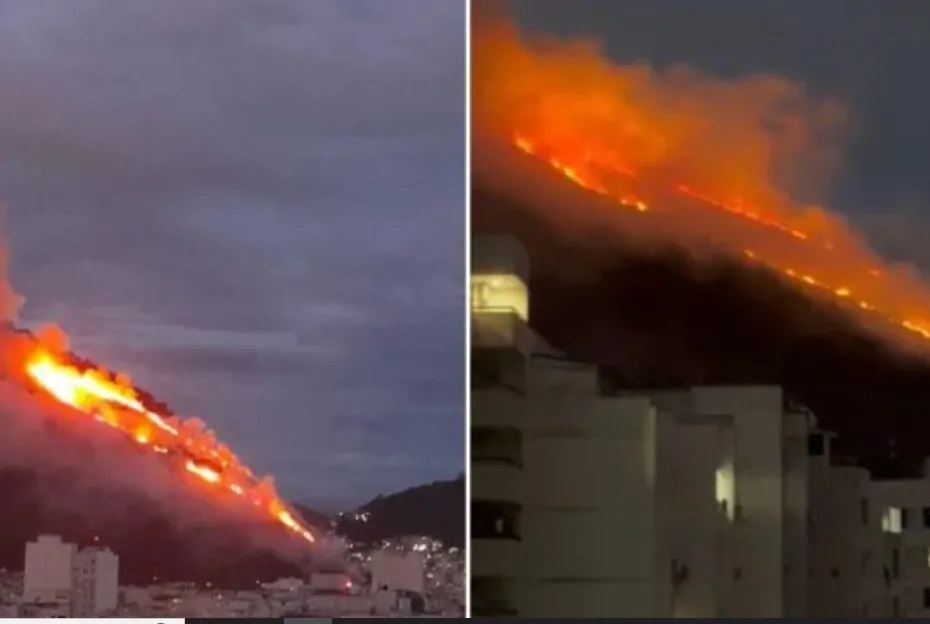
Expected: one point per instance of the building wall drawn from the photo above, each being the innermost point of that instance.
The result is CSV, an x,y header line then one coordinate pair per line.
x,y
911,496
589,547
795,476
497,491
844,543
699,524
758,553
398,571
501,344
95,582
47,568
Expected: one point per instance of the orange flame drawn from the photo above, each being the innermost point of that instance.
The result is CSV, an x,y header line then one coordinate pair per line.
x,y
94,393
706,159
918,326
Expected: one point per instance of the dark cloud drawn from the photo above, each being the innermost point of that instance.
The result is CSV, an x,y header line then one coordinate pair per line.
x,y
870,54
255,208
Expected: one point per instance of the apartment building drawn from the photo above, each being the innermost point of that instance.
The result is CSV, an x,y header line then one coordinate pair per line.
x,y
696,502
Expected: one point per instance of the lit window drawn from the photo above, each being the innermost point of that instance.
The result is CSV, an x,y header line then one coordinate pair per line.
x,y
891,520
726,490
500,293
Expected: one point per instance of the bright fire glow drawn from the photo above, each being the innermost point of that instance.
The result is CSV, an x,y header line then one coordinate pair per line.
x,y
691,158
915,322
94,393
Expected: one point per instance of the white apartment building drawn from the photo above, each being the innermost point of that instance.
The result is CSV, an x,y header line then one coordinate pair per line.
x,y
501,344
395,571
47,573
702,502
854,564
904,508
82,582
761,485
95,582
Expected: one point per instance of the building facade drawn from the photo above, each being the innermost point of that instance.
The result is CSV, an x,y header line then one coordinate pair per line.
x,y
95,582
58,576
47,570
501,344
698,502
902,507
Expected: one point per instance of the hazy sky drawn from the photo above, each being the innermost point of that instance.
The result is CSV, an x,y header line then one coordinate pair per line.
x,y
872,55
254,208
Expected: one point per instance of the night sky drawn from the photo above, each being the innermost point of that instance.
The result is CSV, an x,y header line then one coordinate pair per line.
x,y
871,55
255,209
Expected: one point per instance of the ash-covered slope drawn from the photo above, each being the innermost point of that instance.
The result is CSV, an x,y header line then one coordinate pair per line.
x,y
654,317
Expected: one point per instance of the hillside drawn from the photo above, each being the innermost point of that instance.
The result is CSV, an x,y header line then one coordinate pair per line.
x,y
149,539
652,316
93,484
153,543
435,510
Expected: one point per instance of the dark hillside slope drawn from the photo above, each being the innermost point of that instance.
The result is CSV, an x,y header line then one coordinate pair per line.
x,y
435,510
654,317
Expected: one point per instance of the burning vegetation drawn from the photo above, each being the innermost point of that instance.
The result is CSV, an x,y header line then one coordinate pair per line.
x,y
726,165
109,399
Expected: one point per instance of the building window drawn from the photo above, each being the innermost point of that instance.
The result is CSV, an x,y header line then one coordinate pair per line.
x,y
926,597
864,510
503,293
891,520
905,517
725,490
926,517
815,445
495,520
895,563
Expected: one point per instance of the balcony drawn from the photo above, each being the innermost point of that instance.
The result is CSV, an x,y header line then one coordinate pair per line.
x,y
497,407
495,557
496,480
493,596
500,328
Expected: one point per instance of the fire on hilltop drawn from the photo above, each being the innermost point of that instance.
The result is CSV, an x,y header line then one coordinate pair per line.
x,y
110,399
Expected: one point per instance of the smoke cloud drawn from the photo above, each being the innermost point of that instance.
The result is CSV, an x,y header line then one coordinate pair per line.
x,y
718,166
761,137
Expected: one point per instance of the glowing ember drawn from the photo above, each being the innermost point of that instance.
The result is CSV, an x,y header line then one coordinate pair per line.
x,y
207,474
94,393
